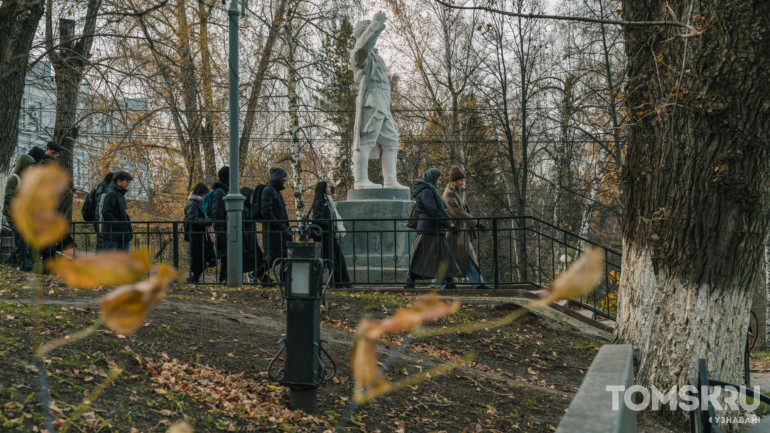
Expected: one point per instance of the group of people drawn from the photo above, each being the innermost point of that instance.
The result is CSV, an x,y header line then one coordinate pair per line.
x,y
445,230
206,227
111,221
443,244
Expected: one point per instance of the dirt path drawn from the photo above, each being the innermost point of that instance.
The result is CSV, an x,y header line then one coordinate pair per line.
x,y
522,376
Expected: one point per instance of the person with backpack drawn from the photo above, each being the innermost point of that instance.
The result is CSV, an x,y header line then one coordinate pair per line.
x,y
114,222
275,229
259,269
91,205
325,216
51,152
214,204
21,256
201,249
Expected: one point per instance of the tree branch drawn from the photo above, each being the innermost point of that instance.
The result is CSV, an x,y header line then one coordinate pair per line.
x,y
691,31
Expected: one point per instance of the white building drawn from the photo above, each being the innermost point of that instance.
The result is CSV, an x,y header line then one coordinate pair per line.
x,y
97,128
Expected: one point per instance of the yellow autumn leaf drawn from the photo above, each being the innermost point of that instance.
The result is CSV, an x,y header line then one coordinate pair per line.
x,y
34,209
363,362
579,279
180,427
367,377
105,269
424,309
124,309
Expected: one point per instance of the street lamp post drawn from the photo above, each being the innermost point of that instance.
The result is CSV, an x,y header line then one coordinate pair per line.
x,y
234,200
303,370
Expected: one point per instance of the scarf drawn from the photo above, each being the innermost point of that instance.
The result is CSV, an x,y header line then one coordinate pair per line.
x,y
429,181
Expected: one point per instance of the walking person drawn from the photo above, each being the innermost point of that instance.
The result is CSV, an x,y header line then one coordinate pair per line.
x,y
275,231
461,241
253,257
21,255
50,153
325,216
219,218
115,224
339,233
431,248
200,248
92,206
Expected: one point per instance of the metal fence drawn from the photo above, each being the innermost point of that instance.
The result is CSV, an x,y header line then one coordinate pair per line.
x,y
513,252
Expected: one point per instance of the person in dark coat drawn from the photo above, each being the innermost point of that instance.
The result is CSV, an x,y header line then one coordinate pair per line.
x,y
195,222
101,189
275,230
219,217
51,152
115,224
325,217
431,248
21,256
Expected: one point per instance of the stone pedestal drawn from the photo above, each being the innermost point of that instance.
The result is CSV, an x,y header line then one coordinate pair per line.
x,y
377,251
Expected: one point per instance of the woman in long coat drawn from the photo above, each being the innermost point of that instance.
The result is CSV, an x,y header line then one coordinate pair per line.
x,y
431,248
324,216
461,241
200,247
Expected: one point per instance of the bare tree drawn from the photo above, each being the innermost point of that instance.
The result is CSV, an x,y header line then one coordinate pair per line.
x,y
70,60
18,24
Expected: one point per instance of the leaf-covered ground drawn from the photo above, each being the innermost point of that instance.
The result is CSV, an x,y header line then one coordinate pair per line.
x,y
202,357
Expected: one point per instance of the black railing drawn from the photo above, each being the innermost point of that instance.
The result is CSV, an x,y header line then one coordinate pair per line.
x,y
513,252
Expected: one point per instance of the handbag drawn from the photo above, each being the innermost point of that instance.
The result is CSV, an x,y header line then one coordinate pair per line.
x,y
412,223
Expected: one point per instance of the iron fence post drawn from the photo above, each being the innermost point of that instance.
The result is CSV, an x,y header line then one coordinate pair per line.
x,y
175,244
524,249
495,273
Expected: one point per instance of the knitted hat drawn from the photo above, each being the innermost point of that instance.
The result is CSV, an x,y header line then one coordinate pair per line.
x,y
455,174
276,173
224,174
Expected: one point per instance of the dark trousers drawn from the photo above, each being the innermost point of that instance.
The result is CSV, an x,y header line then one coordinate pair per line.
x,y
223,269
340,266
115,244
21,256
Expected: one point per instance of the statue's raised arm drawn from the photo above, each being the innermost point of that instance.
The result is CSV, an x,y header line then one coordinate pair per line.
x,y
365,43
375,131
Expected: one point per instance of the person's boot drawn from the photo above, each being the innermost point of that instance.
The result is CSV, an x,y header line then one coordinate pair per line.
x,y
410,282
449,284
389,159
361,171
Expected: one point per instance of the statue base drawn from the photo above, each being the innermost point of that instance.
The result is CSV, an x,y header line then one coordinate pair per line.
x,y
377,241
379,194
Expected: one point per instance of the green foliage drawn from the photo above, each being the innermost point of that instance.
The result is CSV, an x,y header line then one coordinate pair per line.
x,y
336,98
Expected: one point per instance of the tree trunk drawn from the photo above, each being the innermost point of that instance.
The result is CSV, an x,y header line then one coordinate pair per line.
x,y
695,180
296,149
69,63
65,131
767,290
259,78
18,23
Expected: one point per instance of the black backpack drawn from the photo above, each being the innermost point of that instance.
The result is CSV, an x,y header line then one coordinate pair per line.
x,y
256,202
90,203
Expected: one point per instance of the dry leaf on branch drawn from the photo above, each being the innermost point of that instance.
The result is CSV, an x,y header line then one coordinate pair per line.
x,y
367,376
34,209
579,279
105,269
124,309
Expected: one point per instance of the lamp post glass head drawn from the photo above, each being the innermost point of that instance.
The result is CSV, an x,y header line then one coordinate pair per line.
x,y
299,284
305,270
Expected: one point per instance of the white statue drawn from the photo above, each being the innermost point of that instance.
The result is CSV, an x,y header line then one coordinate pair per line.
x,y
375,132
